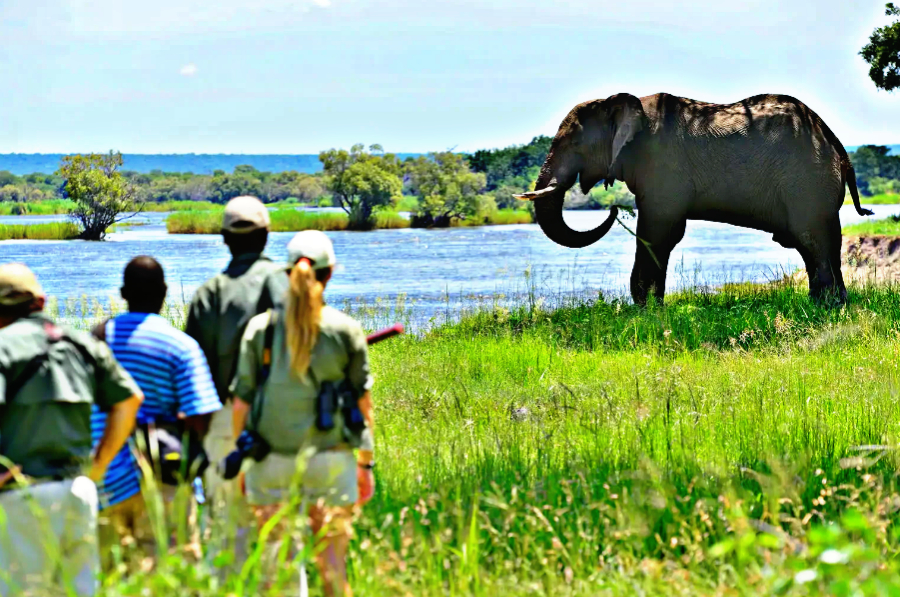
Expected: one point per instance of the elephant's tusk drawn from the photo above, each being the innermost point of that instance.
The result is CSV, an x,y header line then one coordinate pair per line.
x,y
532,195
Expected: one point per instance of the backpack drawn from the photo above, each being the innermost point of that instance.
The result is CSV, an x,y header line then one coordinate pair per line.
x,y
53,334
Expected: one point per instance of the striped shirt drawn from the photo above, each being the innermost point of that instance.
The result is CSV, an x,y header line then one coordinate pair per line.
x,y
171,370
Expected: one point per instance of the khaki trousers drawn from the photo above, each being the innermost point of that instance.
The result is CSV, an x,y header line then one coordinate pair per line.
x,y
48,539
218,443
226,517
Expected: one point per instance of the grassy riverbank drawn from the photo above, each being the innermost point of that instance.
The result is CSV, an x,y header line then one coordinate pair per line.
x,y
292,220
882,199
889,226
50,231
704,447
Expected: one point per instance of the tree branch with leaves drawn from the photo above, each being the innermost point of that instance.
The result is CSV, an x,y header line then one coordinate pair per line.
x,y
883,52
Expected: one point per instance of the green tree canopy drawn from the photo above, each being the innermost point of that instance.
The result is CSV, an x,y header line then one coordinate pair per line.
x,y
883,52
101,194
873,166
362,181
446,188
511,169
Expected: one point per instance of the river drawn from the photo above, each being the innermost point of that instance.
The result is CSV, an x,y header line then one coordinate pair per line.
x,y
435,272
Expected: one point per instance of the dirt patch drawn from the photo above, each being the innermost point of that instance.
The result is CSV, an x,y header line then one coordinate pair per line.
x,y
866,259
871,258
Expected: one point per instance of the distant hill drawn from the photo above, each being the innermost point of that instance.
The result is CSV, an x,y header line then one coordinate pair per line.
x,y
202,163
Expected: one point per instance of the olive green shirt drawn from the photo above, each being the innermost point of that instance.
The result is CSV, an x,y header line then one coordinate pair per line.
x,y
288,414
46,427
222,307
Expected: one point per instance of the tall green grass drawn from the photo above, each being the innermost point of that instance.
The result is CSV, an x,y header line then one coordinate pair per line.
x,y
37,208
889,226
508,216
283,220
390,220
882,199
181,206
705,446
51,231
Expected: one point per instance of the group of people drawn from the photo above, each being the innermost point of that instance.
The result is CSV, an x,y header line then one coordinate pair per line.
x,y
90,422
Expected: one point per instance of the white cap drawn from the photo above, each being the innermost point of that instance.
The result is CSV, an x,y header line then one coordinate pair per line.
x,y
245,214
315,246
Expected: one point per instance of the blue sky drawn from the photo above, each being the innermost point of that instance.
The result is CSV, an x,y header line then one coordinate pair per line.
x,y
299,76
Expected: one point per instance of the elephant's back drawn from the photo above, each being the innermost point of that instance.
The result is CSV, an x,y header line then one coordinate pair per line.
x,y
772,119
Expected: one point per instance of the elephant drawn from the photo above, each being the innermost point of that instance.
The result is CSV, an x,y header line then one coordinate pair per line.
x,y
767,162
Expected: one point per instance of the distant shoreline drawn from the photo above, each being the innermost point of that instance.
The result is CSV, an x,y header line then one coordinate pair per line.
x,y
202,163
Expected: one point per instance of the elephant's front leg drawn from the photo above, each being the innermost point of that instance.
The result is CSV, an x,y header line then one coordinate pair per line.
x,y
656,238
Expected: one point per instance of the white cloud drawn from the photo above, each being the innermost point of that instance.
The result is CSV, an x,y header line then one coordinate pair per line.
x,y
322,3
188,70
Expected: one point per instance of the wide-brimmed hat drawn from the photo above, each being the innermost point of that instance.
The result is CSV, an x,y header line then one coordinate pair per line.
x,y
18,285
315,246
245,214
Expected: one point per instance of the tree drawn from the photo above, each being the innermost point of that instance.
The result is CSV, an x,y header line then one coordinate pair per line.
x,y
224,187
101,194
883,52
362,181
446,188
873,165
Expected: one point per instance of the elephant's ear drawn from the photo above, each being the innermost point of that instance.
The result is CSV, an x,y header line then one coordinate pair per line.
x,y
627,119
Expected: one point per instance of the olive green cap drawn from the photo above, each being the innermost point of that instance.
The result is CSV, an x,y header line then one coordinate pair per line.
x,y
18,285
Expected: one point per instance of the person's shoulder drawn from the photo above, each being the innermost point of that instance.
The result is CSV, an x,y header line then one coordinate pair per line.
x,y
176,338
339,321
211,286
86,341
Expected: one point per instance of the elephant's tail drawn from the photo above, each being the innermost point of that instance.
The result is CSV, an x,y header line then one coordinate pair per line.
x,y
849,175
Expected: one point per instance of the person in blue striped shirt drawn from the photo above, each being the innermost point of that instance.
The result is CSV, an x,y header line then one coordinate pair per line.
x,y
171,370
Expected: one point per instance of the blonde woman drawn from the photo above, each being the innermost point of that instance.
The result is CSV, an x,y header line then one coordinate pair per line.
x,y
277,393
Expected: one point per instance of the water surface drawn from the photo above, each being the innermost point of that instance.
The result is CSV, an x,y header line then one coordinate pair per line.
x,y
433,269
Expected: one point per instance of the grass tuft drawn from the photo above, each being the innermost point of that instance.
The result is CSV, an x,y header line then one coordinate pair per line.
x,y
50,231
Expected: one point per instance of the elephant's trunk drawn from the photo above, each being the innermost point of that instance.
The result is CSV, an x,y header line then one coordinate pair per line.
x,y
549,212
548,197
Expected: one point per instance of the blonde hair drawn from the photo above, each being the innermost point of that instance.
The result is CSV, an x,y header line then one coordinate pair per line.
x,y
304,309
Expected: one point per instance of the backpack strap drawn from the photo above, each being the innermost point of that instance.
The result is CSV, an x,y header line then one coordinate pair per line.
x,y
268,341
265,367
53,334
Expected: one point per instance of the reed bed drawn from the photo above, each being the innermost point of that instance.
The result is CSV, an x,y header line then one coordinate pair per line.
x,y
165,206
37,208
293,220
390,220
283,220
508,216
49,231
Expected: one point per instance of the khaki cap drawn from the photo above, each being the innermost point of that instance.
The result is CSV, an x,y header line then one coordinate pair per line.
x,y
315,246
18,285
245,214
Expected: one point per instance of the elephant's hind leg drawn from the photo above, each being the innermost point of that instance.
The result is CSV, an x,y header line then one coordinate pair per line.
x,y
651,262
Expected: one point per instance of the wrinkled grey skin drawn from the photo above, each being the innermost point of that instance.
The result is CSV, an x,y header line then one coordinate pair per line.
x,y
767,162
